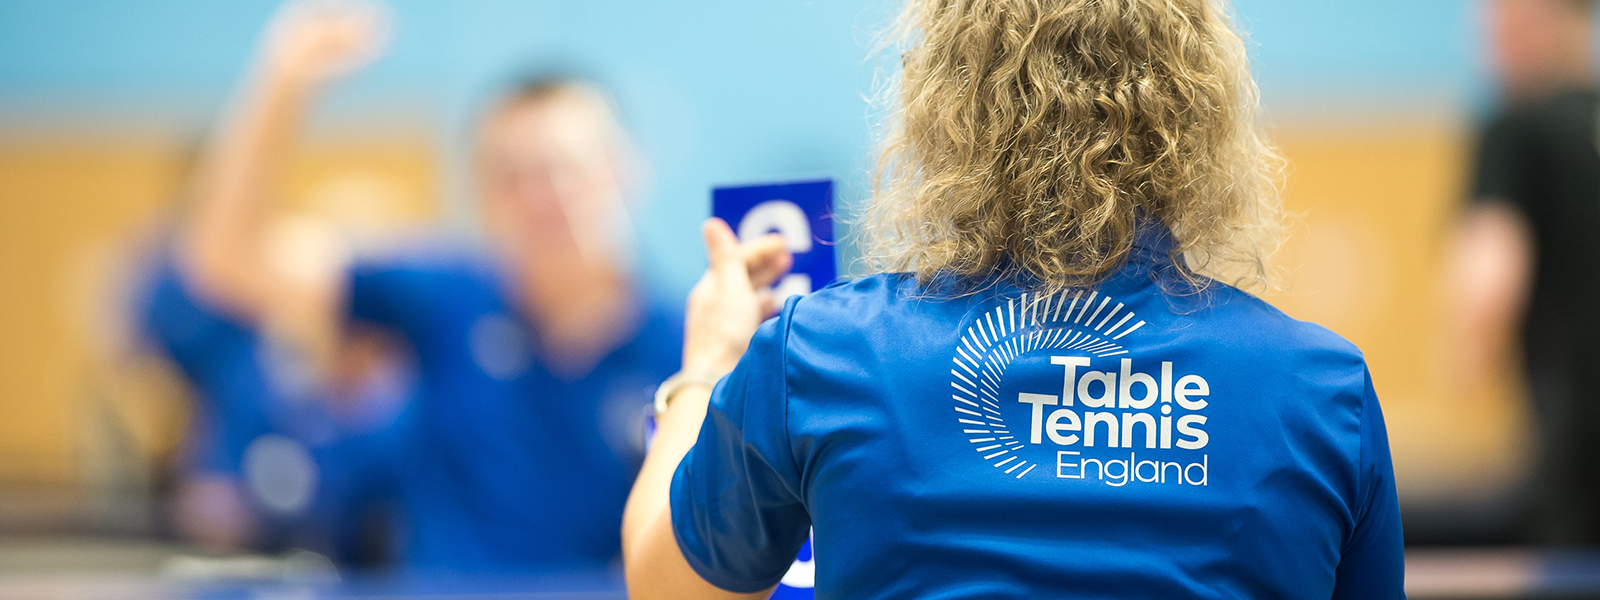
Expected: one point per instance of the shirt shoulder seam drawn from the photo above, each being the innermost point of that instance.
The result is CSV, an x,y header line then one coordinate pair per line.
x,y
788,440
1360,502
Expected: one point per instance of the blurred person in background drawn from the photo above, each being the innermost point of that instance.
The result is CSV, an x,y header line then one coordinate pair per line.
x,y
535,356
1527,257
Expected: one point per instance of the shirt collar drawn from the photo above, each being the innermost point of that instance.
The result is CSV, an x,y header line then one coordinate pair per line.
x,y
1152,237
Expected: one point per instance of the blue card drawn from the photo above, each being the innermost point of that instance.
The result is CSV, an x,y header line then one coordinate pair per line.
x,y
801,212
800,582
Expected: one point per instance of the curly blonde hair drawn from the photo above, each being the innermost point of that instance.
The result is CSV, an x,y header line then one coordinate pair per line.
x,y
1030,134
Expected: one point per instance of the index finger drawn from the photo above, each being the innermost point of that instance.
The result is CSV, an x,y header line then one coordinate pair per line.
x,y
722,248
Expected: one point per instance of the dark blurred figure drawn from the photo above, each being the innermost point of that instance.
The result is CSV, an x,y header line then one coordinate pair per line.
x,y
535,357
1528,256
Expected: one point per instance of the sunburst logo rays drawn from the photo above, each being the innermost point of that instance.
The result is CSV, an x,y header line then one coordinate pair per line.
x,y
1022,325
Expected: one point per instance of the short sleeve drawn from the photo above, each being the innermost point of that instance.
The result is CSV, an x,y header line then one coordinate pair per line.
x,y
175,320
1372,561
736,503
1501,172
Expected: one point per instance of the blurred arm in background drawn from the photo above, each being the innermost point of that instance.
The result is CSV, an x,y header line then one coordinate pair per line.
x,y
226,254
1491,272
274,283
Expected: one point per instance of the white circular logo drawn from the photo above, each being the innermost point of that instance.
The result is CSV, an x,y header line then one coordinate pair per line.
x,y
1070,322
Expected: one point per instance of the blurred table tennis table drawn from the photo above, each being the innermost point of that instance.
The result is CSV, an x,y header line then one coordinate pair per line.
x,y
133,568
123,586
1502,573
143,570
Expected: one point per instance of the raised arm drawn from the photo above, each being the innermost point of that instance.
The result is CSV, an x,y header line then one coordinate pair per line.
x,y
1490,275
724,310
225,251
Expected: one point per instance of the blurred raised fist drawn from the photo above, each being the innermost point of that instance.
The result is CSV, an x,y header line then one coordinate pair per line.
x,y
314,41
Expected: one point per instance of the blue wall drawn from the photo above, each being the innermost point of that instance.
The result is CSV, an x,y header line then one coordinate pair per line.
x,y
716,91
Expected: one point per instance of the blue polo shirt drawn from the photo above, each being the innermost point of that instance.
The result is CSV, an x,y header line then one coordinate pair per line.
x,y
1119,442
510,466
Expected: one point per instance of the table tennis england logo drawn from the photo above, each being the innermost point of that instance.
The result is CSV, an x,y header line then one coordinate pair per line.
x,y
1042,380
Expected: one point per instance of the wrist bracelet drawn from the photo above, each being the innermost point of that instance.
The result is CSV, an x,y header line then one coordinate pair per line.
x,y
677,382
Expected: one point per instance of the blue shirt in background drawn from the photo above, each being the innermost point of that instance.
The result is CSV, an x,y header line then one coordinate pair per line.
x,y
1119,442
508,466
252,395
220,359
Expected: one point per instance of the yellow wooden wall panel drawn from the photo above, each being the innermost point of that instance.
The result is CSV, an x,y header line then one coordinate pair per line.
x,y
71,213
1372,208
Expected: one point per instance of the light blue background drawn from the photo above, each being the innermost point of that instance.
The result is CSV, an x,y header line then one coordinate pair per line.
x,y
715,91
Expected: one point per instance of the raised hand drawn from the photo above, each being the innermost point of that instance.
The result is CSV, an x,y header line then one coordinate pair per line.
x,y
225,250
314,41
731,299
